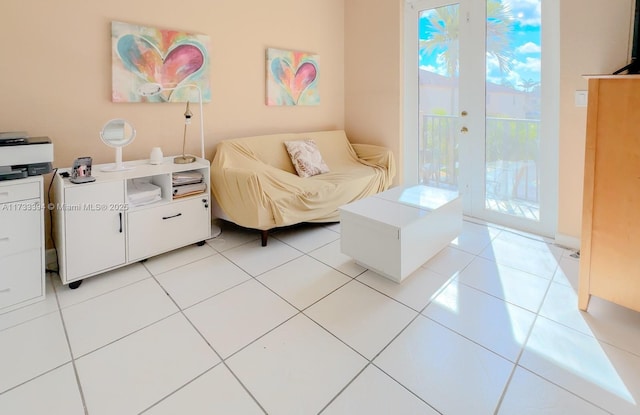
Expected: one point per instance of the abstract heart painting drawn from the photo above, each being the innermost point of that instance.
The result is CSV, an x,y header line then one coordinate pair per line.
x,y
292,78
171,58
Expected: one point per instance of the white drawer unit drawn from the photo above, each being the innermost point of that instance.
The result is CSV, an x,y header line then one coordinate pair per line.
x,y
22,268
108,223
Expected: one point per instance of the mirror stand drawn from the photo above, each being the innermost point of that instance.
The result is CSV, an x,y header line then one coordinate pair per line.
x,y
117,133
119,165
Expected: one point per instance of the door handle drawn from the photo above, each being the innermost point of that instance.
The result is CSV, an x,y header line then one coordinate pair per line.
x,y
170,217
464,113
120,216
464,130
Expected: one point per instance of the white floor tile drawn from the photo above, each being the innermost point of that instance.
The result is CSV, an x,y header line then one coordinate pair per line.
x,y
375,393
200,280
232,236
416,291
177,258
568,272
330,254
482,228
334,227
236,317
529,240
533,257
307,237
257,259
512,285
297,368
450,362
474,238
614,324
602,374
32,348
489,321
215,392
131,374
303,281
453,374
361,317
604,320
101,320
449,261
55,392
529,394
39,309
100,284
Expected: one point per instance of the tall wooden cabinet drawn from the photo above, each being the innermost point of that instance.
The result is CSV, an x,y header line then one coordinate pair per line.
x,y
610,251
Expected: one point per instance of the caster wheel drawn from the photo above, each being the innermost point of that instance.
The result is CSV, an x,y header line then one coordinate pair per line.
x,y
200,243
75,284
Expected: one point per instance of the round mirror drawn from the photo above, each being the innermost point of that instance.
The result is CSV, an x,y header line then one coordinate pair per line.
x,y
117,133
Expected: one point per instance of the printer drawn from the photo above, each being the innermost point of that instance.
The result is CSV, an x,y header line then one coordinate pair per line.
x,y
22,156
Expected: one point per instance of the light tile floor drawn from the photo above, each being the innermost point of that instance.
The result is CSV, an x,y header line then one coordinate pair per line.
x,y
488,326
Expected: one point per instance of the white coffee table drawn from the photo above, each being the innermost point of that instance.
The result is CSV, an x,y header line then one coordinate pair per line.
x,y
394,232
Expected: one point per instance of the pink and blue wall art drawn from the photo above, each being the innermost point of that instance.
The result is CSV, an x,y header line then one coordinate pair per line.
x,y
292,78
170,58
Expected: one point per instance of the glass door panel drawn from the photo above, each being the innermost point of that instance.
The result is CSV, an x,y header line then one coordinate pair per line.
x,y
513,108
438,96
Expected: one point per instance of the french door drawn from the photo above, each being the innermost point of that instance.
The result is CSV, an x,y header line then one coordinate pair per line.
x,y
481,106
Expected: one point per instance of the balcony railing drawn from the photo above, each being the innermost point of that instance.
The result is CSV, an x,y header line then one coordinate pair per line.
x,y
512,149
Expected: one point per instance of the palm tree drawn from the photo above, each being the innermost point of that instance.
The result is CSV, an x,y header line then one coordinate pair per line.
x,y
528,85
444,22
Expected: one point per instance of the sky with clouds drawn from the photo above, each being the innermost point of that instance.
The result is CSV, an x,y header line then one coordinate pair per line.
x,y
525,43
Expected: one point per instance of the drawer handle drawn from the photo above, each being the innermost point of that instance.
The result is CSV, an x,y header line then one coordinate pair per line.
x,y
5,290
170,217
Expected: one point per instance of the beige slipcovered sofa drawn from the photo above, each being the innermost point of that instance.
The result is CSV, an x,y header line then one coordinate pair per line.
x,y
254,183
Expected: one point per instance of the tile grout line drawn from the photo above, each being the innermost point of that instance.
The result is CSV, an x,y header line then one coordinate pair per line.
x,y
222,360
73,359
522,350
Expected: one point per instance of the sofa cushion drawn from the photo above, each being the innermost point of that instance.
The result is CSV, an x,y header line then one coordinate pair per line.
x,y
306,157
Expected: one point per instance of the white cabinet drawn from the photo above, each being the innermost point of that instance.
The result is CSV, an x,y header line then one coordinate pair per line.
x,y
98,228
22,267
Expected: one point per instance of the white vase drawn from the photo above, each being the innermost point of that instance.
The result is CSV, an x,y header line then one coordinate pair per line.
x,y
156,156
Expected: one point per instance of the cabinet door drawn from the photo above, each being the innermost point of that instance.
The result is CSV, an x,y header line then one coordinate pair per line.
x,y
94,231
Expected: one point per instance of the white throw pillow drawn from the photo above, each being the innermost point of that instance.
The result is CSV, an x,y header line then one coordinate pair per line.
x,y
306,157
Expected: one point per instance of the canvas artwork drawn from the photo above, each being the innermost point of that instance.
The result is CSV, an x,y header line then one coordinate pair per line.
x,y
171,58
292,78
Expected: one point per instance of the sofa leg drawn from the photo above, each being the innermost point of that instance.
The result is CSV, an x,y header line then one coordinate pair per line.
x,y
265,235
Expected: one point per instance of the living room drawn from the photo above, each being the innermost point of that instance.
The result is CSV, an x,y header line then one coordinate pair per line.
x,y
56,82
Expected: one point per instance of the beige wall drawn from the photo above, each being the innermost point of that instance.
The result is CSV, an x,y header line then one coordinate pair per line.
x,y
55,73
373,73
594,40
55,70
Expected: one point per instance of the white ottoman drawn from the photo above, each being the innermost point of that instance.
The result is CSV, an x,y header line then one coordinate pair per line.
x,y
394,232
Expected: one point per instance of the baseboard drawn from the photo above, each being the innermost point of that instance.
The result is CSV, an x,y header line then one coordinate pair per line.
x,y
567,241
50,259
